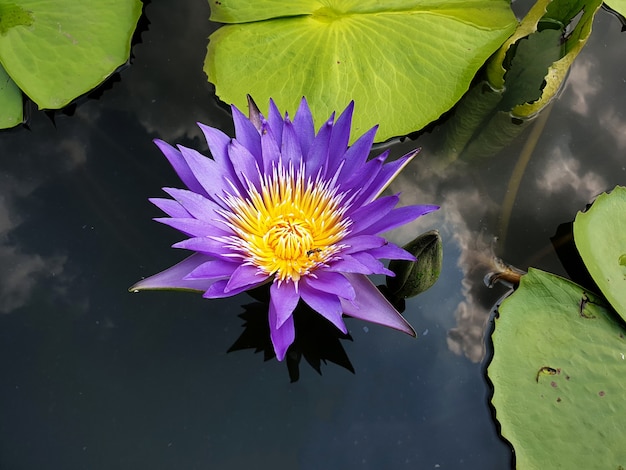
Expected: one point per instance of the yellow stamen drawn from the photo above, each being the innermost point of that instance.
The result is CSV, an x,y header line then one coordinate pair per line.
x,y
288,227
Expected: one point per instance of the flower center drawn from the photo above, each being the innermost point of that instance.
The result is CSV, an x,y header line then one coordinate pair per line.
x,y
288,226
289,238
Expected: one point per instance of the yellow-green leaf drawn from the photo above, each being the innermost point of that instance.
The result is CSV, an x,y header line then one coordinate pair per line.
x,y
57,51
403,62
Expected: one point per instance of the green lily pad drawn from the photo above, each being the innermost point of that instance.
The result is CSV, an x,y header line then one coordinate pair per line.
x,y
559,376
404,62
11,108
600,237
57,51
617,5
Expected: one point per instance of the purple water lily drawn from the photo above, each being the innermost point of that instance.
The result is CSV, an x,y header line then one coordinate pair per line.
x,y
279,204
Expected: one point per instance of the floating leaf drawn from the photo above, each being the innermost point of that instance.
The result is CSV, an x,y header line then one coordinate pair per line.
x,y
415,277
559,376
57,51
11,108
404,62
600,237
617,5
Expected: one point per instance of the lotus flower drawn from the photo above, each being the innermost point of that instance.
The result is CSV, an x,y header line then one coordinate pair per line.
x,y
282,205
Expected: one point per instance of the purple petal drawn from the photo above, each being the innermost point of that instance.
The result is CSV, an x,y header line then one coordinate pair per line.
x,y
174,277
171,208
205,170
333,283
303,124
339,138
366,174
316,158
290,149
191,227
217,290
207,246
214,269
245,276
386,175
361,243
285,299
348,264
246,133
245,164
275,120
282,336
271,152
372,306
370,213
218,145
400,216
356,156
180,166
327,305
217,141
391,251
197,205
375,266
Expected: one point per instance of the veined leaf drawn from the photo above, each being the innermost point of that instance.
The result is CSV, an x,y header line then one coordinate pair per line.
x,y
57,51
404,62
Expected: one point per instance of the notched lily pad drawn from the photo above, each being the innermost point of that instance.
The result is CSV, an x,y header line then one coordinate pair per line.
x,y
57,51
559,375
404,62
600,237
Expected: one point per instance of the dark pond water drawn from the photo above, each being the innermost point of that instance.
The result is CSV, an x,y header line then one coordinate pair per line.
x,y
93,377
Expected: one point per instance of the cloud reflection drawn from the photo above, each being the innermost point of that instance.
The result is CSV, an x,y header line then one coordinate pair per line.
x,y
563,171
583,84
614,122
463,220
24,273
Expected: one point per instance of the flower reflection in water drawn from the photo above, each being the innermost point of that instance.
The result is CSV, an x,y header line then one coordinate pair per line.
x,y
317,341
